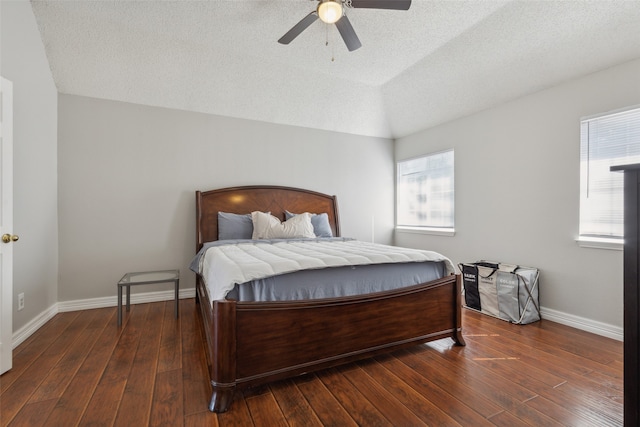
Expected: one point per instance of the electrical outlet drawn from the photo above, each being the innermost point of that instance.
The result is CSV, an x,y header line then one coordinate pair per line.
x,y
20,301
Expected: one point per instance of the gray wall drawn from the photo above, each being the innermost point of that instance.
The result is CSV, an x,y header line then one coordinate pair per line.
x,y
517,190
128,173
23,61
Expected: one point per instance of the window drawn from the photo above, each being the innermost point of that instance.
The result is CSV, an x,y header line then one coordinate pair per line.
x,y
425,193
607,140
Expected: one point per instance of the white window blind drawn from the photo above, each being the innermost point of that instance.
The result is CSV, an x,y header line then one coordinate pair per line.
x,y
425,191
605,141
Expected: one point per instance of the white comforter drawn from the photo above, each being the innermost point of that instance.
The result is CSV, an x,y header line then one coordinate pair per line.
x,y
224,266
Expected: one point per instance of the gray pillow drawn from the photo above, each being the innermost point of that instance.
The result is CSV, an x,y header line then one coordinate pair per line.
x,y
320,222
233,226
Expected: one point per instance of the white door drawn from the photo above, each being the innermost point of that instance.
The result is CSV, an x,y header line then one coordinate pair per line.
x,y
6,223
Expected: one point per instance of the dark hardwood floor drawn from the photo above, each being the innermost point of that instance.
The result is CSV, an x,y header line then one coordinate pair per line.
x,y
81,369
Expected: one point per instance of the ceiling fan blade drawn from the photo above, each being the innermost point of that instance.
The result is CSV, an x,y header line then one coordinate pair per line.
x,y
381,4
299,28
348,33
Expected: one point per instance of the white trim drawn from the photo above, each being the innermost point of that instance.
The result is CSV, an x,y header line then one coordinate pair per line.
x,y
27,330
609,113
6,223
87,304
426,230
600,243
584,324
112,301
421,229
420,156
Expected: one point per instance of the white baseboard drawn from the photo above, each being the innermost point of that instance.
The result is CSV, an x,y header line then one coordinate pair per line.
x,y
112,301
584,324
87,304
27,330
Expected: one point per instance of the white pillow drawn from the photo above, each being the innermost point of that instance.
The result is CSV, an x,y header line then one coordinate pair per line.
x,y
266,226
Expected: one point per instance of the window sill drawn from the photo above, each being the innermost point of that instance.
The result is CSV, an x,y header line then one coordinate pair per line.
x,y
427,230
600,243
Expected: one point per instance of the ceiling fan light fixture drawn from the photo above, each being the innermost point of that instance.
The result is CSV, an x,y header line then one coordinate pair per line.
x,y
330,11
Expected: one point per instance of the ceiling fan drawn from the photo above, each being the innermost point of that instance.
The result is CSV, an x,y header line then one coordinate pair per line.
x,y
332,12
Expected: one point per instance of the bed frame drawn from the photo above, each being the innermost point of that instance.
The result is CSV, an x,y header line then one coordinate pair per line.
x,y
251,343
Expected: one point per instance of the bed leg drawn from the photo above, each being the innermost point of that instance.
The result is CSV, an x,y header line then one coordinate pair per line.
x,y
198,284
457,336
221,398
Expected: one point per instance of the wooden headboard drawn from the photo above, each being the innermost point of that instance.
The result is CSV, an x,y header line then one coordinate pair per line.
x,y
265,198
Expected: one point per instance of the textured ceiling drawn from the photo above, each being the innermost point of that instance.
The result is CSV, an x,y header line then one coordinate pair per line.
x,y
438,61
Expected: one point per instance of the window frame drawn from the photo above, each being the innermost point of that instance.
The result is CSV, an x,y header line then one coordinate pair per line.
x,y
425,229
595,240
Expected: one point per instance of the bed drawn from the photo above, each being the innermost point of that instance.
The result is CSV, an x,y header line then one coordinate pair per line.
x,y
252,343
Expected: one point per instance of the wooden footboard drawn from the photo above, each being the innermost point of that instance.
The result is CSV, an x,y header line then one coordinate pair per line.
x,y
251,343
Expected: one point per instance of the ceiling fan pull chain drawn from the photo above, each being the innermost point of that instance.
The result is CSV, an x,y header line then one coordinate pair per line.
x,y
332,44
326,27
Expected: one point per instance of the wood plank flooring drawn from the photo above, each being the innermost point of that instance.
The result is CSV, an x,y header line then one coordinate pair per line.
x,y
81,369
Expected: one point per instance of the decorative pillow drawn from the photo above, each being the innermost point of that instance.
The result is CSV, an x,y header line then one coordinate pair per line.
x,y
233,226
320,223
267,226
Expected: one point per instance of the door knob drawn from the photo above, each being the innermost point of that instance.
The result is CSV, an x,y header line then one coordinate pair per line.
x,y
7,238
